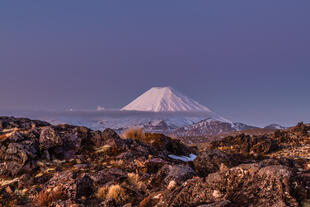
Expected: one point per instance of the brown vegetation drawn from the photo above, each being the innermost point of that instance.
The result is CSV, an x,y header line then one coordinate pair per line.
x,y
46,197
115,192
133,133
135,180
102,192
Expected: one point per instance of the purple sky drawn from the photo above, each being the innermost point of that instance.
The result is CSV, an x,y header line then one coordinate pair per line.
x,y
246,60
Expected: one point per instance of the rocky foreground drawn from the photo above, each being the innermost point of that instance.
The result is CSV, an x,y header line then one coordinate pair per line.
x,y
63,165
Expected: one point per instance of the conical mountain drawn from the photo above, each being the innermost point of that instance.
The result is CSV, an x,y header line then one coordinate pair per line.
x,y
165,99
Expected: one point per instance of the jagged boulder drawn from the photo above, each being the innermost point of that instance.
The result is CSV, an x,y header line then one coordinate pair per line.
x,y
103,138
49,138
22,123
301,129
110,175
84,187
155,164
175,173
244,185
166,144
211,161
246,144
75,140
19,156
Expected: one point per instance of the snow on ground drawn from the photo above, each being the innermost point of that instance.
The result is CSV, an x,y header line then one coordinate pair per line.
x,y
190,158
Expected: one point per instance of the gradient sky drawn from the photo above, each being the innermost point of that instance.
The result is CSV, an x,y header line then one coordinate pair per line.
x,y
246,60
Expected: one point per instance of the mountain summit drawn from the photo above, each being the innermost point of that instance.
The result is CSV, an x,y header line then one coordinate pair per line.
x,y
164,99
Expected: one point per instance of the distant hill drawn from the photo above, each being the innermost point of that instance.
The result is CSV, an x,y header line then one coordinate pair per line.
x,y
275,126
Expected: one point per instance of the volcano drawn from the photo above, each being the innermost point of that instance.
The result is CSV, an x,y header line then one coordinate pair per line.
x,y
165,99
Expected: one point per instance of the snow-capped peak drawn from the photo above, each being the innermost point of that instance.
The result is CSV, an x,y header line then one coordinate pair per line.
x,y
164,99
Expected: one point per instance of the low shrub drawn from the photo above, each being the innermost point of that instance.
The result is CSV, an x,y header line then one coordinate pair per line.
x,y
115,192
133,133
46,197
135,180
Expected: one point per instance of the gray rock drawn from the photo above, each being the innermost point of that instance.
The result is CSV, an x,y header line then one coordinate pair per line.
x,y
49,138
210,161
177,173
244,185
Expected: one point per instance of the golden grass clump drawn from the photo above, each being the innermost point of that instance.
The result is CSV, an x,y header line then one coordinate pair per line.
x,y
46,197
104,149
115,192
133,133
102,192
5,133
135,180
116,163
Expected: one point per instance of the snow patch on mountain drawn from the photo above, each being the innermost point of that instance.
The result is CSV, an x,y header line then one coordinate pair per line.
x,y
275,126
211,127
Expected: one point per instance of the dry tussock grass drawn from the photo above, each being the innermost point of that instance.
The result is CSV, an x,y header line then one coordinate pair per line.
x,y
46,197
102,192
116,163
135,180
104,149
133,133
115,192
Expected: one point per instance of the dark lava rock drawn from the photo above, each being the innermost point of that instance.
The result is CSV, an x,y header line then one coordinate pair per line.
x,y
211,161
164,143
176,173
106,137
110,175
19,157
225,203
153,165
84,187
25,180
245,185
23,123
49,138
108,203
301,128
246,144
67,165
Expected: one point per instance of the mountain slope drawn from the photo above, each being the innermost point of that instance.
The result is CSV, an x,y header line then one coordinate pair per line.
x,y
161,110
211,127
164,99
275,126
